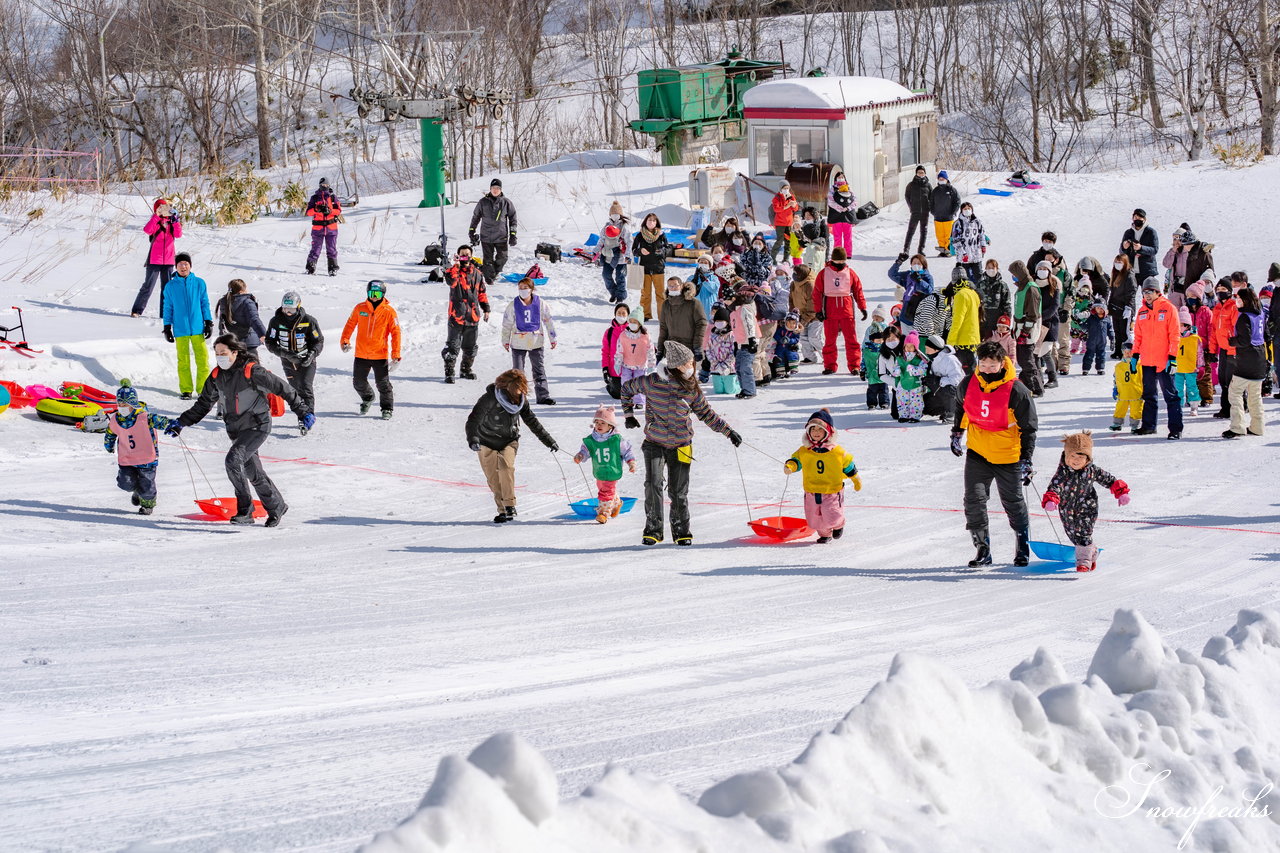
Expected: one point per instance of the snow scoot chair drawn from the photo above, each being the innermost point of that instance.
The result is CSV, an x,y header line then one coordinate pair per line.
x,y
20,346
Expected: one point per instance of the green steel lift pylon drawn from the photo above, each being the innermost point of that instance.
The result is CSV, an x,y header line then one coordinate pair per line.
x,y
434,164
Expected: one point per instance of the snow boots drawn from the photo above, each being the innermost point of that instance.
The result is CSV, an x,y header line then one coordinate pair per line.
x,y
386,414
333,267
1022,554
507,514
1086,558
464,369
311,267
981,541
365,406
273,519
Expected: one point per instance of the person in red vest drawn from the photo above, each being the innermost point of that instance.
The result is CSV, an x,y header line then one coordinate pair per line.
x,y
834,294
999,415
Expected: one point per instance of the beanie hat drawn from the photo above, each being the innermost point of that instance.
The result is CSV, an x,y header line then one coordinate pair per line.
x,y
719,312
913,338
157,204
957,273
605,413
324,182
495,183
180,257
1137,211
1273,271
839,254
877,313
920,167
1209,276
791,315
1046,264
943,176
1079,442
291,299
127,395
1086,264
1150,283
615,207
1195,290
1184,316
781,269
935,342
820,418
800,273
637,314
896,309
677,353
1004,321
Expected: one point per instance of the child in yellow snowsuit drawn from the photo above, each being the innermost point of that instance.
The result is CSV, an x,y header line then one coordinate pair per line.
x,y
1127,391
1188,362
825,465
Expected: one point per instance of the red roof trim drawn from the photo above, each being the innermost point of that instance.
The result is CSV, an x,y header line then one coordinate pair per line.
x,y
832,114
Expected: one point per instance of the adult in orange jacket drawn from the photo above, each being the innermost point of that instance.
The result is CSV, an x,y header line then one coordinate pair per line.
x,y
377,347
1222,325
785,207
324,210
1156,334
834,294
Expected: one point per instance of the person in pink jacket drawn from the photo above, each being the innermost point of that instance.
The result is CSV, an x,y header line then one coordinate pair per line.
x,y
164,228
609,349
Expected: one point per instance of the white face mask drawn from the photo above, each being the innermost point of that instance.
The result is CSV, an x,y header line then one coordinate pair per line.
x,y
224,361
686,372
992,272
1046,245
917,268
729,229
967,214
942,182
615,216
1118,266
673,291
1042,273
621,318
634,325
124,411
721,325
524,291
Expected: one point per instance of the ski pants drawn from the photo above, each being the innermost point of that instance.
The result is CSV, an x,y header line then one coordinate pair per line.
x,y
877,395
1028,369
615,279
744,363
724,383
1120,327
1163,379
1185,384
140,481
1243,390
781,242
495,258
302,378
499,468
191,348
834,326
662,461
1130,407
1226,370
841,235
917,219
1096,355
978,474
245,468
811,341
162,272
942,230
1078,518
824,513
328,240
460,338
537,358
381,368
629,373
654,288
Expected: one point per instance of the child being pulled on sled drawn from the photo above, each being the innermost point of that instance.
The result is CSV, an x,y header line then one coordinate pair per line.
x,y
1071,493
607,450
824,465
131,435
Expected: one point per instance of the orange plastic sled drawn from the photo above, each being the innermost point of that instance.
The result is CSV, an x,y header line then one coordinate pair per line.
x,y
781,528
224,508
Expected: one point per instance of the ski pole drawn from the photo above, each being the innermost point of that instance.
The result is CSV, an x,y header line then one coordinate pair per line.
x,y
738,458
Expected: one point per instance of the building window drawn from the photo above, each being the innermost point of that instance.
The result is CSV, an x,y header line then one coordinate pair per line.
x,y
908,147
778,147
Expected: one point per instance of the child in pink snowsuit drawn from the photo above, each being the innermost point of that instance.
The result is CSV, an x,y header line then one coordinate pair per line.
x,y
607,450
824,465
635,355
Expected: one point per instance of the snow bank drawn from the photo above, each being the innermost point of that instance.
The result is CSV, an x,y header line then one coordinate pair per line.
x,y
1156,747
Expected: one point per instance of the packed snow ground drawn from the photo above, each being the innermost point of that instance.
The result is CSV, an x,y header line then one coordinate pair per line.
x,y
296,688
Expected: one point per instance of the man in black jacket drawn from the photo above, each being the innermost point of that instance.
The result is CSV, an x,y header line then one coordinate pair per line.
x,y
917,197
944,204
493,431
493,226
1140,243
295,338
241,384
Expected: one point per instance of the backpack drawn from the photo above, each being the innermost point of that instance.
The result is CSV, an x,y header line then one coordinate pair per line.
x,y
274,401
432,256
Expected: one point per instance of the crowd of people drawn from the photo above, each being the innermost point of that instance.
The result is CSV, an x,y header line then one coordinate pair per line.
x,y
975,352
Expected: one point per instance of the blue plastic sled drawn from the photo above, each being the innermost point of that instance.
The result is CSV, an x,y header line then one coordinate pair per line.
x,y
516,276
587,508
1054,552
989,191
591,241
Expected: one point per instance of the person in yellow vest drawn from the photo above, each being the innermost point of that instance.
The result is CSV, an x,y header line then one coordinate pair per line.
x,y
999,415
1127,391
1189,361
825,465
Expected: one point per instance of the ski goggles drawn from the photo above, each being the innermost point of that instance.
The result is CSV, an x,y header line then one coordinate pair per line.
x,y
376,290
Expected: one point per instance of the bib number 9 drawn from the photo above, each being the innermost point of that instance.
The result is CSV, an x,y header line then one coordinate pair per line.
x,y
821,466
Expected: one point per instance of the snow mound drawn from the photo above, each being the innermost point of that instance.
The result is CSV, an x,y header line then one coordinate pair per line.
x,y
599,158
1157,747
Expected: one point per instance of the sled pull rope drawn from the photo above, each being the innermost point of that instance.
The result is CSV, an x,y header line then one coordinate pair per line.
x,y
738,458
564,479
193,458
762,453
786,482
1048,515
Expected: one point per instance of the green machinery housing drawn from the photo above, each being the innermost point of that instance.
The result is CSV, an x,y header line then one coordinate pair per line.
x,y
696,105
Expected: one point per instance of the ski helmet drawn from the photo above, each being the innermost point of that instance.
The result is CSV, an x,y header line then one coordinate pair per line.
x,y
291,299
378,287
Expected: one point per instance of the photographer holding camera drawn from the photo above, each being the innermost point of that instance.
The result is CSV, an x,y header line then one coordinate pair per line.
x,y
324,210
164,228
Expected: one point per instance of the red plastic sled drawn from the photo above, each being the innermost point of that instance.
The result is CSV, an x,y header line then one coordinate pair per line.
x,y
89,394
18,396
224,508
781,528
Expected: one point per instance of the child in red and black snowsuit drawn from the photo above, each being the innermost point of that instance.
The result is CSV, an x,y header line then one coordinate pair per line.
x,y
1071,493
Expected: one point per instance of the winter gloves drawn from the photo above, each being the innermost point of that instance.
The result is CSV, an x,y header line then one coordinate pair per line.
x,y
208,329
1120,491
857,481
864,315
475,446
473,238
752,346
168,333
1027,472
734,438
308,420
820,316
957,447
631,422
173,429
1050,501
346,346
512,241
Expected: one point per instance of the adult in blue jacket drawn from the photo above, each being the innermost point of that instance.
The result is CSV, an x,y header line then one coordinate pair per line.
x,y
916,284
187,322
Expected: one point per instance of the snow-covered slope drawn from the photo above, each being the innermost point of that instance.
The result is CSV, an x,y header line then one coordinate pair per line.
x,y
175,681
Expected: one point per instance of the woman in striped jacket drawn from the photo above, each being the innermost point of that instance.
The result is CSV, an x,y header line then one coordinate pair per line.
x,y
671,393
